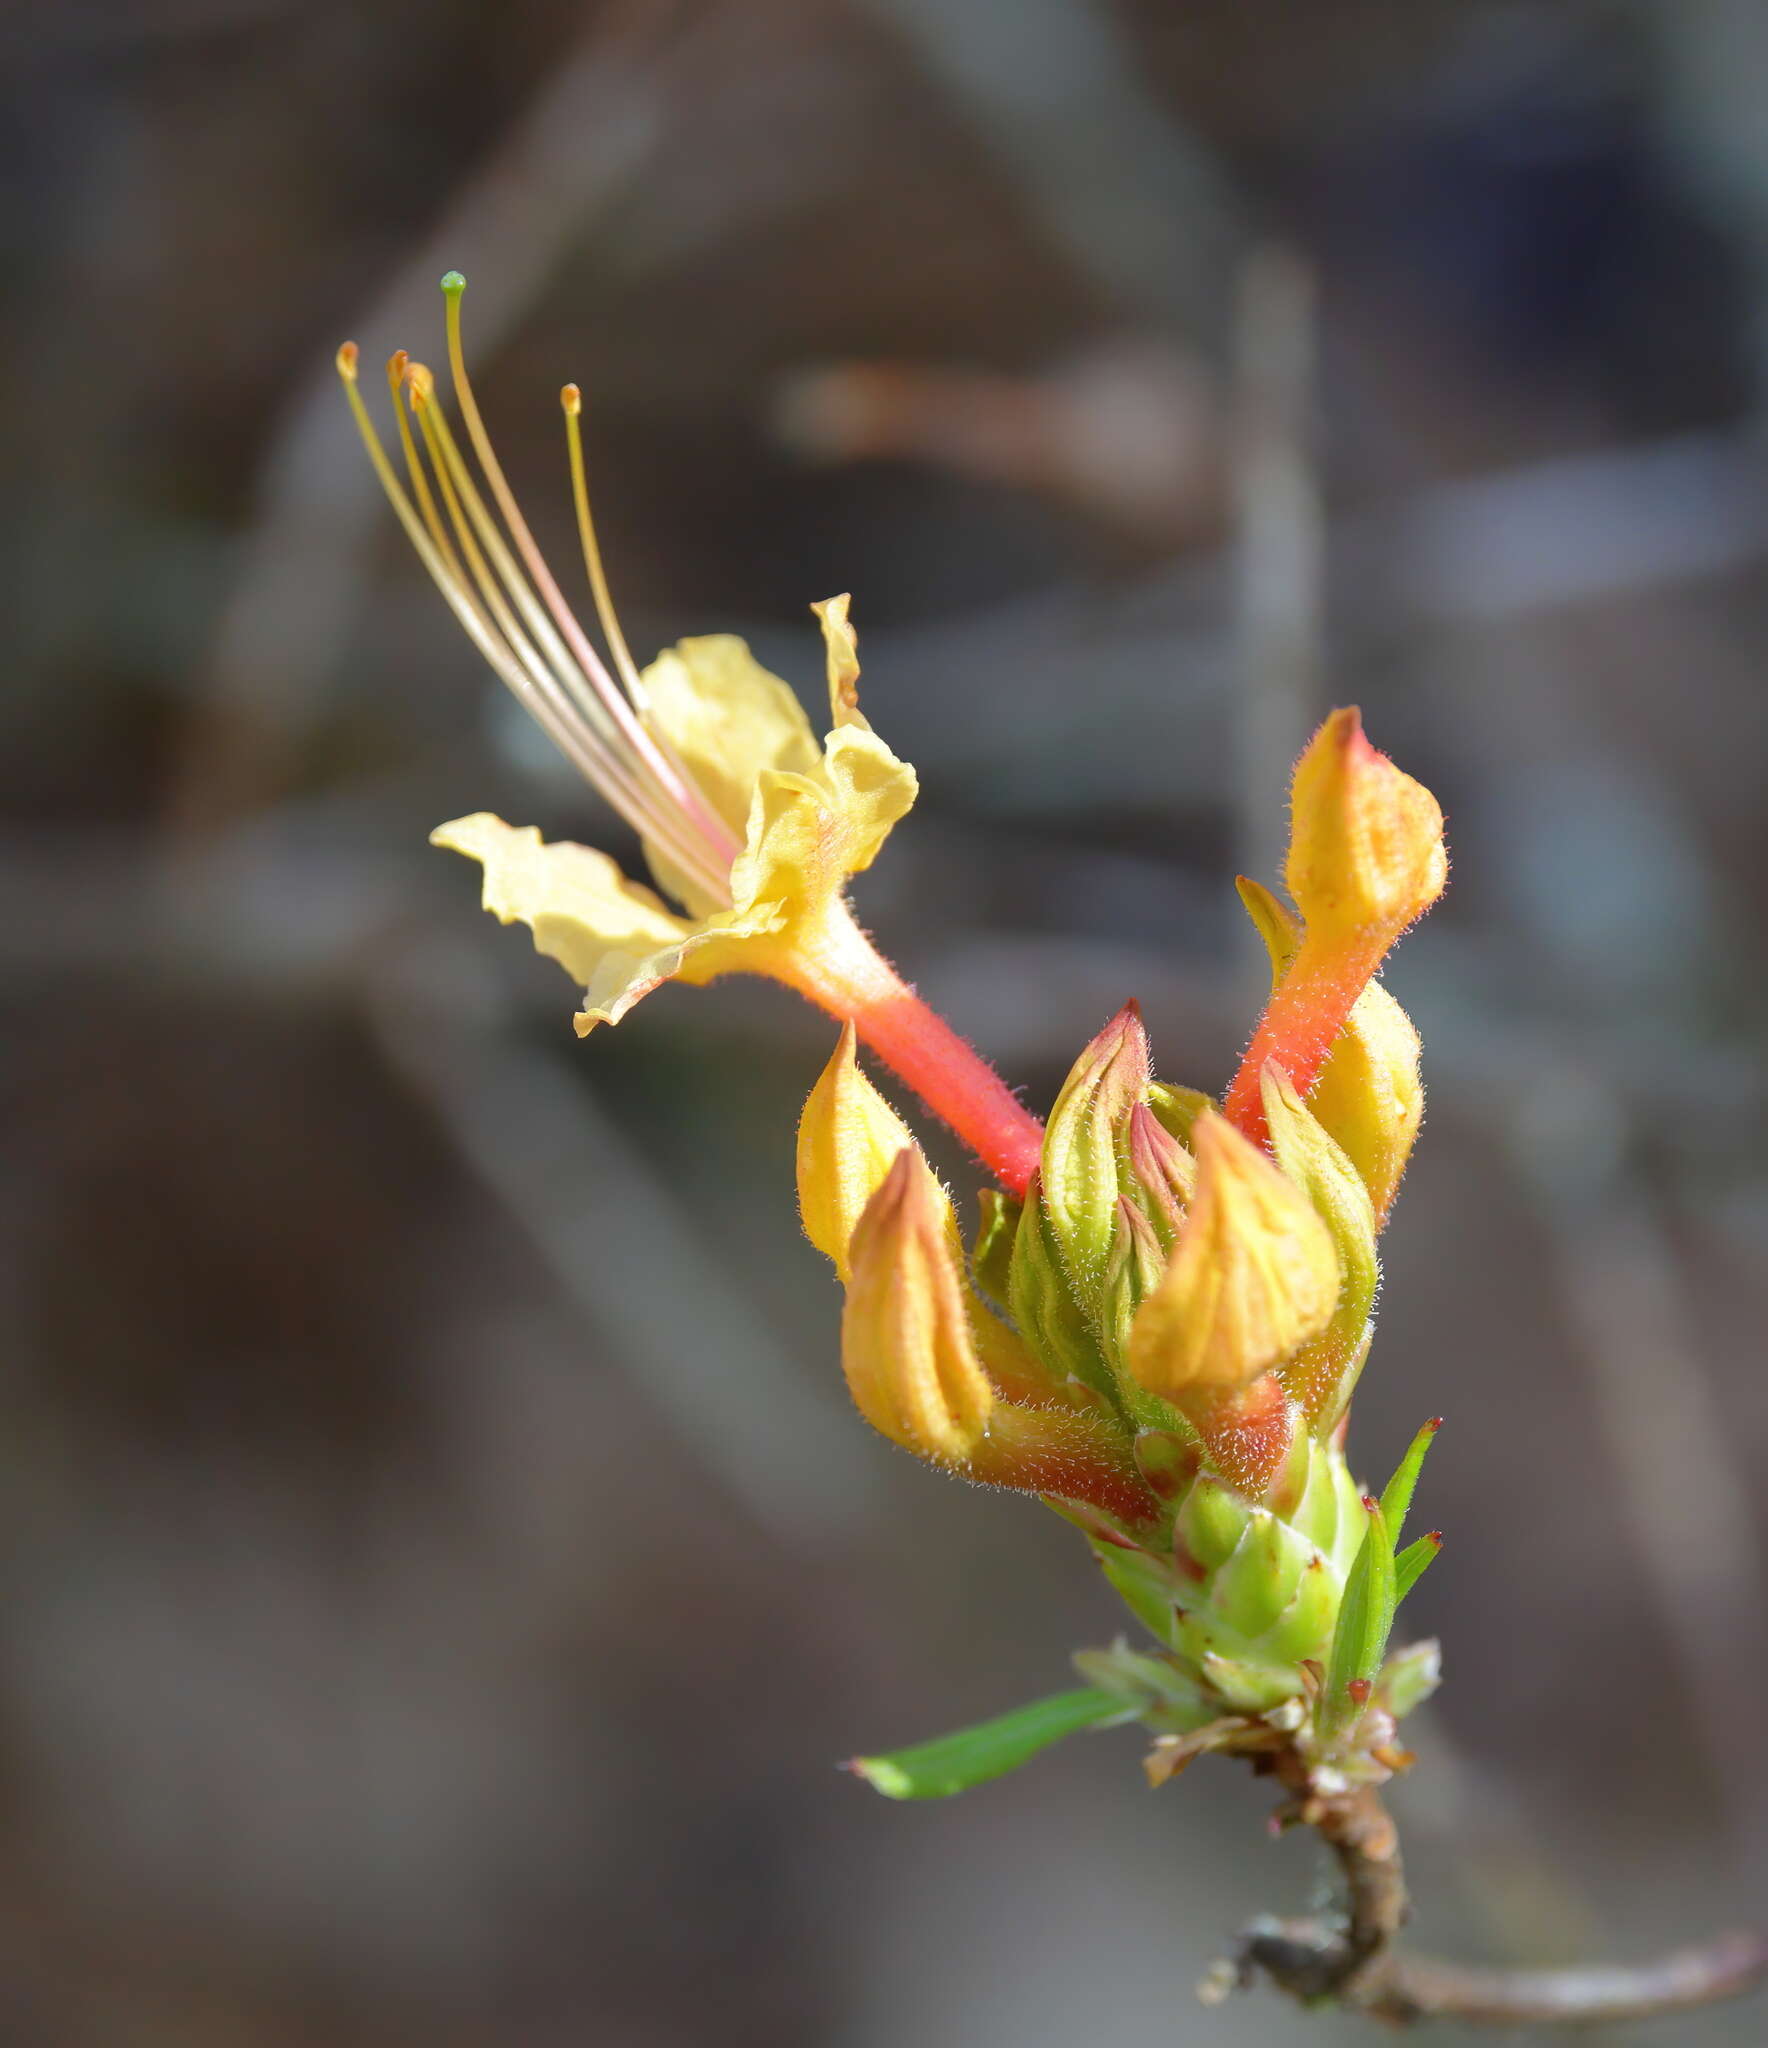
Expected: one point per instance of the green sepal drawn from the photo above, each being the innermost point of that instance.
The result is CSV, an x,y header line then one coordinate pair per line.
x,y
1153,1687
1410,1565
1304,1628
1396,1500
1177,1109
1365,1616
991,1256
1143,1586
1277,924
973,1756
1410,1676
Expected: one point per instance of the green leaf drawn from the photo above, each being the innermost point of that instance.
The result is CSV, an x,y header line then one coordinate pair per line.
x,y
1365,1616
1397,1500
972,1756
1409,1566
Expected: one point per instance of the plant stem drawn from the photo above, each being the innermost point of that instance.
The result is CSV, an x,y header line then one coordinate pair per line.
x,y
1301,1023
1354,1961
847,975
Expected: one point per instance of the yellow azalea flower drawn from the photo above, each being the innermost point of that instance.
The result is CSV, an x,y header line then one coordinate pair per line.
x,y
808,818
750,827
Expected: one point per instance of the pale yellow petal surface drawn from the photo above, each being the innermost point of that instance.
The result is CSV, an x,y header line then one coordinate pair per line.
x,y
728,718
614,937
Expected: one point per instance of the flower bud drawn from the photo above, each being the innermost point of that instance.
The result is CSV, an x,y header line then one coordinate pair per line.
x,y
1366,857
1132,1272
1370,1094
1253,1276
1083,1145
1321,1375
1042,1300
1366,843
906,1345
848,1139
1158,1173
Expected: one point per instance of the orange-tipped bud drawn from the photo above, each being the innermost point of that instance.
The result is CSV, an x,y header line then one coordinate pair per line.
x,y
347,358
848,1139
905,1337
1252,1277
1366,857
1366,842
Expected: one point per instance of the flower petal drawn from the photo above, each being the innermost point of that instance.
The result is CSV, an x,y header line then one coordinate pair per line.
x,y
728,718
614,937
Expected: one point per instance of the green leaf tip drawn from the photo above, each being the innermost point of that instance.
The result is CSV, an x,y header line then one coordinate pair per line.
x,y
1396,1502
1409,1566
453,283
972,1756
1365,1617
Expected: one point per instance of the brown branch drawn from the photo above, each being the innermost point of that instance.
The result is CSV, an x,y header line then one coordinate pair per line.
x,y
1353,1961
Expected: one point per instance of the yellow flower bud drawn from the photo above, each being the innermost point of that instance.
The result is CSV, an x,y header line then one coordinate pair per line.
x,y
1370,1094
848,1139
1366,844
1253,1276
906,1343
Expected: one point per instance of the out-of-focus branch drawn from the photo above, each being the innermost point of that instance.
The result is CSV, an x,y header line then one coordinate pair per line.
x,y
1352,1960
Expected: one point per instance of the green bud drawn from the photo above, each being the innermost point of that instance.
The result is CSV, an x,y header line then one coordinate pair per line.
x,y
1043,1304
1083,1147
1211,1523
1167,1461
1262,1576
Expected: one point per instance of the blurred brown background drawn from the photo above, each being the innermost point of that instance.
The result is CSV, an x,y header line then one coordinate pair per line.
x,y
441,1569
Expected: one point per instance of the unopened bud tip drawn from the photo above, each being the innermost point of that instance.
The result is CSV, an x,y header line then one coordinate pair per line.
x,y
347,354
453,283
571,398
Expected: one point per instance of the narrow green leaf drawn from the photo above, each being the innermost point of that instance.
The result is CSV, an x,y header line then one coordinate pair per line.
x,y
1397,1500
1365,1616
1410,1564
972,1756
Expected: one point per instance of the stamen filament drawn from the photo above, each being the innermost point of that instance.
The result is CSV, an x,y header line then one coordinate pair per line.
x,y
572,400
670,773
535,689
397,364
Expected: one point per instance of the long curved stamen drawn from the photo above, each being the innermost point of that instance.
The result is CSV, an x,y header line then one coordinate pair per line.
x,y
674,778
571,398
517,663
397,365
662,819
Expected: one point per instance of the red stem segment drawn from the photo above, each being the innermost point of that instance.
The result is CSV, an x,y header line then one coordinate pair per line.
x,y
849,978
1301,1023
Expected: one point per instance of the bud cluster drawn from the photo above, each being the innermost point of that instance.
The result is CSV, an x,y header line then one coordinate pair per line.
x,y
1162,1337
